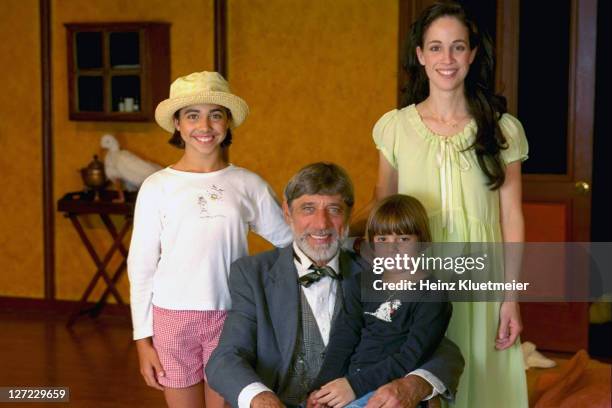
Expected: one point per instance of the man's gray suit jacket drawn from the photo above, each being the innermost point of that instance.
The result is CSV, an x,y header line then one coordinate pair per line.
x,y
260,331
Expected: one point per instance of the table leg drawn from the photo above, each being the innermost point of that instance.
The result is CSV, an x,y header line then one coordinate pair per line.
x,y
124,252
100,264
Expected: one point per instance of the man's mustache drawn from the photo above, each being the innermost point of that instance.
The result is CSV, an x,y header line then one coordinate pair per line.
x,y
329,231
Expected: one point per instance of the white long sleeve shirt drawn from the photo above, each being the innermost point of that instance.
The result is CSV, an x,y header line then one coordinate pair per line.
x,y
188,229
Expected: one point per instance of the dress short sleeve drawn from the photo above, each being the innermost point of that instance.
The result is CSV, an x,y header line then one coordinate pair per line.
x,y
385,136
518,148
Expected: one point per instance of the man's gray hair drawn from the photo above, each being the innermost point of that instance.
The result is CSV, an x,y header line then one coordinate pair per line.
x,y
323,179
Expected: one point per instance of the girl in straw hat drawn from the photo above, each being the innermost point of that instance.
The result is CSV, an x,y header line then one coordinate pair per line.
x,y
191,222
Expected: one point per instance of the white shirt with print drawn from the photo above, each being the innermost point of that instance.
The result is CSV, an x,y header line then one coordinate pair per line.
x,y
188,229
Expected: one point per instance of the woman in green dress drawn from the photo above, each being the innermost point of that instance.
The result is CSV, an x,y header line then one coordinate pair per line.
x,y
454,147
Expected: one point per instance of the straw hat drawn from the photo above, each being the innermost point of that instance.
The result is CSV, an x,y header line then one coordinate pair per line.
x,y
199,88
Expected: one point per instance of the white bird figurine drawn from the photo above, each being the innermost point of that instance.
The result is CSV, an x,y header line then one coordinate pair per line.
x,y
124,166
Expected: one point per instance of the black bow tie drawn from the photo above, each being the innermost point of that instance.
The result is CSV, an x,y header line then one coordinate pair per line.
x,y
316,275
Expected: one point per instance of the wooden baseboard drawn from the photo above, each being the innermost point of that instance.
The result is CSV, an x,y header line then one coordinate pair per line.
x,y
56,307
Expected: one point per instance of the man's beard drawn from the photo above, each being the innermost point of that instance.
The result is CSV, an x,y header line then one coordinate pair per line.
x,y
321,254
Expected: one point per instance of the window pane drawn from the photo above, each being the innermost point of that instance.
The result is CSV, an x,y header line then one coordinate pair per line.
x,y
123,87
89,50
124,50
90,93
543,84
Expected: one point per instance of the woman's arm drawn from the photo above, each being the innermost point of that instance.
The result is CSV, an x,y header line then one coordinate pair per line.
x,y
511,210
386,184
513,232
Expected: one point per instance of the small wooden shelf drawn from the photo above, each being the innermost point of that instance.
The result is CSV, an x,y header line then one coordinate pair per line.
x,y
108,62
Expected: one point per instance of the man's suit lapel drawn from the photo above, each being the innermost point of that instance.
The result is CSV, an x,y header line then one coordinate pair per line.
x,y
282,293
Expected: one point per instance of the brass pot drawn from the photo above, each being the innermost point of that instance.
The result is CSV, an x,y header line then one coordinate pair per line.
x,y
93,175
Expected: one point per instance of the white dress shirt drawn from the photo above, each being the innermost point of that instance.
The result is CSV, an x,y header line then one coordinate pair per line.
x,y
321,295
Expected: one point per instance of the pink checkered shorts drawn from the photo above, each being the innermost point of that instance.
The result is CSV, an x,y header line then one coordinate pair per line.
x,y
184,341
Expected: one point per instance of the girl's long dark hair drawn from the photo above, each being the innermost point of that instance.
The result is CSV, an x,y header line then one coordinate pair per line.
x,y
484,105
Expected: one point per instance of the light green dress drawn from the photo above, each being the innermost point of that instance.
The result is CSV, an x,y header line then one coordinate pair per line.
x,y
461,208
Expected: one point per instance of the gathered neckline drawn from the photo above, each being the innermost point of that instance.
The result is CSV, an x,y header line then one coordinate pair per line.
x,y
416,120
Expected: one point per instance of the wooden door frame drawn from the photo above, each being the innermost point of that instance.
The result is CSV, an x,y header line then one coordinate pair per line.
x,y
47,150
559,188
220,40
408,10
582,108
507,44
581,80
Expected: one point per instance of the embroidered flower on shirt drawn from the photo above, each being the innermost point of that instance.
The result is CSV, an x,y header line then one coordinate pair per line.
x,y
386,310
214,192
211,194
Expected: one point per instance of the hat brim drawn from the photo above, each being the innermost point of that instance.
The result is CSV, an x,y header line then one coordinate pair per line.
x,y
164,113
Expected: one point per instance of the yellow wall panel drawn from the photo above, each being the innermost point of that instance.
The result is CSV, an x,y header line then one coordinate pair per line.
x,y
21,226
317,75
191,42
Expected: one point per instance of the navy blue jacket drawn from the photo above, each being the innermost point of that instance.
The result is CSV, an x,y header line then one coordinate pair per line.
x,y
373,343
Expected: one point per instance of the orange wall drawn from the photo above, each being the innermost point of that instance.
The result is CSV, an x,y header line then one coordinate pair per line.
x,y
21,248
316,74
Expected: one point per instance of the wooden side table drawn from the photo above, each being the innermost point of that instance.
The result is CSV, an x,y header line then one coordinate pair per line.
x,y
74,205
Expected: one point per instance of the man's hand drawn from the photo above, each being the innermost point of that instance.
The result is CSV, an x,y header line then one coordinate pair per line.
x,y
150,367
404,392
266,399
510,325
335,393
311,401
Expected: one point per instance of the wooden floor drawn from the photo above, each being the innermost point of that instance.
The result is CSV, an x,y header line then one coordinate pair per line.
x,y
96,359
